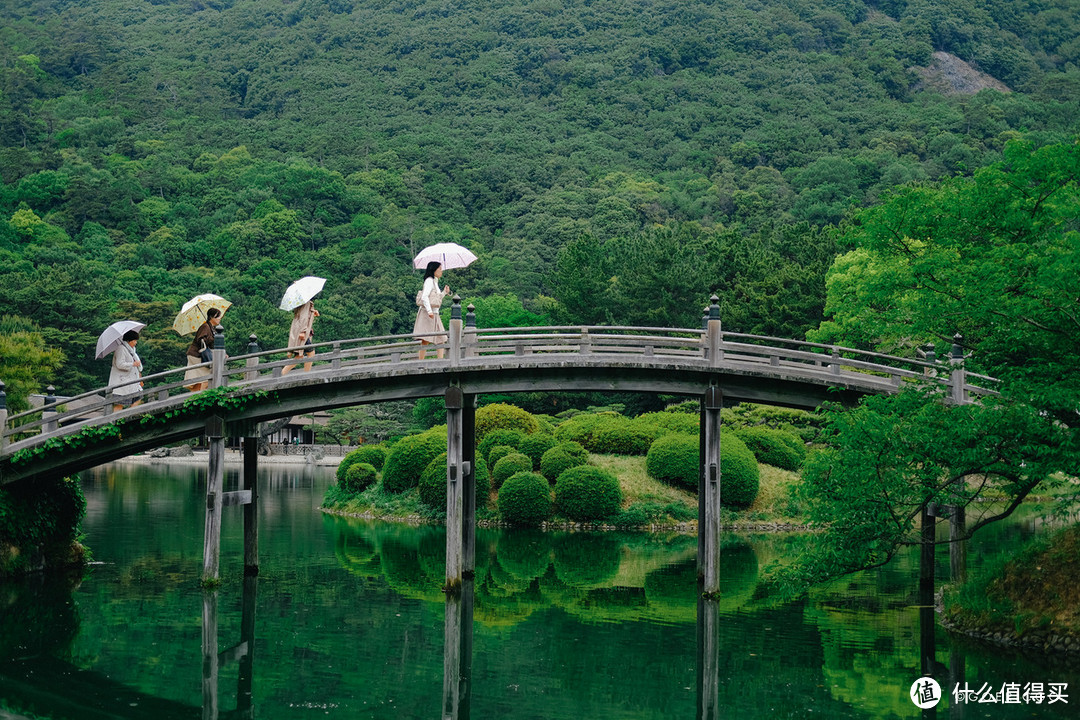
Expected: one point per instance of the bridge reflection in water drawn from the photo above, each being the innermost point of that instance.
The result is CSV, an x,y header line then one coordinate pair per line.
x,y
38,626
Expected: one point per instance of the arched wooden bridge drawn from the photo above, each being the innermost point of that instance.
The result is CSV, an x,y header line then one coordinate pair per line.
x,y
705,362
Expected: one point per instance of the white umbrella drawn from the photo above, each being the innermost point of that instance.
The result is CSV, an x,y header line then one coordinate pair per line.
x,y
451,255
193,313
301,291
113,335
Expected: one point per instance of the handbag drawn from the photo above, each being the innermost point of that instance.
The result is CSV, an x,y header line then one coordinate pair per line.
x,y
205,354
419,298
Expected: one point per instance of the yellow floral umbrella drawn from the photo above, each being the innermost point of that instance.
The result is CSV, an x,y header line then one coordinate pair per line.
x,y
193,314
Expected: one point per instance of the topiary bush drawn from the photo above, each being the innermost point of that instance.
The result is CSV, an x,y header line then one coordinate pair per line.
x,y
510,438
556,461
536,445
617,435
498,452
578,428
574,450
525,499
773,447
409,457
500,416
359,477
674,459
432,486
374,455
588,494
507,466
673,421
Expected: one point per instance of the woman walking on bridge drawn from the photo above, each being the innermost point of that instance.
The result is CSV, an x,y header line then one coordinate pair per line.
x,y
429,300
126,367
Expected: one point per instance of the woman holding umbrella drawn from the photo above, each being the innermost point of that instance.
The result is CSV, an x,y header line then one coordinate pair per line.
x,y
301,331
198,351
427,314
297,298
126,367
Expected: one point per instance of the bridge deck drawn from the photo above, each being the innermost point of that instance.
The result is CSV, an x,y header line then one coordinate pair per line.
x,y
251,389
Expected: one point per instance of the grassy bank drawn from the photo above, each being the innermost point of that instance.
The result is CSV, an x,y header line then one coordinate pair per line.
x,y
1031,592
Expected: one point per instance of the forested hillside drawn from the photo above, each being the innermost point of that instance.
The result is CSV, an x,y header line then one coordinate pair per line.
x,y
608,160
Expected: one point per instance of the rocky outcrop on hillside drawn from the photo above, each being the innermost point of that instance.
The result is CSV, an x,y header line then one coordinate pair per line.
x,y
950,75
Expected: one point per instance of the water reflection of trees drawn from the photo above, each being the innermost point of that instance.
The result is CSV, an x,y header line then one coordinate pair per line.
x,y
598,577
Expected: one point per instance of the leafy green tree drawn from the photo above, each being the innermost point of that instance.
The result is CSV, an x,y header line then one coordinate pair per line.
x,y
994,257
26,363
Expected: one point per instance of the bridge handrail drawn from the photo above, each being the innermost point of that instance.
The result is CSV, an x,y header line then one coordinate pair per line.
x,y
474,343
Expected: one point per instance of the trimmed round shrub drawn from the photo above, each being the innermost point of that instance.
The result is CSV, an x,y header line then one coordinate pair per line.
x,y
525,499
498,452
621,436
773,447
500,416
535,446
359,477
674,459
588,494
374,455
673,421
409,457
556,461
433,483
510,438
574,450
509,465
578,428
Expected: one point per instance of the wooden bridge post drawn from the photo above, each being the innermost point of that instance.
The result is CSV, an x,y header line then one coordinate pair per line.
x,y
469,340
957,545
215,482
217,366
958,377
455,331
251,509
709,491
468,491
252,362
48,411
455,402
3,417
712,332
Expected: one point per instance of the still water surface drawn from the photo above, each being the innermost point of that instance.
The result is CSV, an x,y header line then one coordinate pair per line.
x,y
346,620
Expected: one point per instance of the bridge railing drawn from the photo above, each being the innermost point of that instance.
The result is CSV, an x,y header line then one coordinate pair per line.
x,y
465,345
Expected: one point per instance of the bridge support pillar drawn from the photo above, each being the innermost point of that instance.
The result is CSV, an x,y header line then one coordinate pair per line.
x,y
460,487
251,509
709,491
215,481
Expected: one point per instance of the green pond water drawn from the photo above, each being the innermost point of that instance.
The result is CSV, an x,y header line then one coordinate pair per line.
x,y
346,619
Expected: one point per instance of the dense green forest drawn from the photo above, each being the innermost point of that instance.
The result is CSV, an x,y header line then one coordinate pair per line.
x,y
607,160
